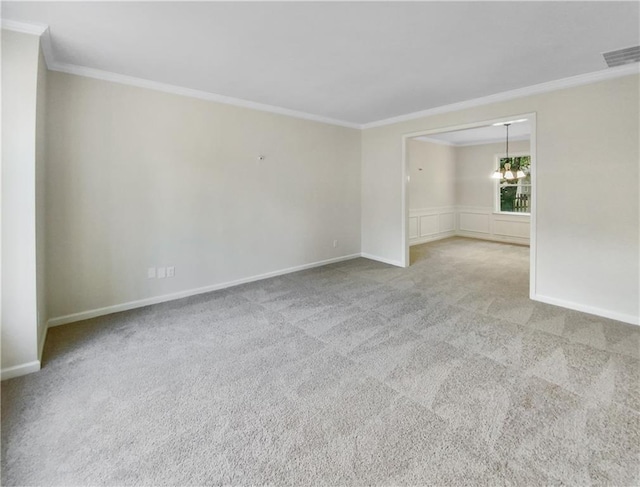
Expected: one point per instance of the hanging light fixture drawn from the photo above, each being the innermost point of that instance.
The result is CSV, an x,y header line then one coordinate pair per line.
x,y
508,174
507,170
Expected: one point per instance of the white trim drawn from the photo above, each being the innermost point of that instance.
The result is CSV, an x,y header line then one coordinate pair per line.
x,y
464,126
404,225
41,30
18,370
485,210
605,313
509,213
581,79
560,84
32,28
382,259
430,233
494,238
202,95
490,234
481,210
517,138
533,222
85,315
431,238
405,250
434,210
43,339
47,49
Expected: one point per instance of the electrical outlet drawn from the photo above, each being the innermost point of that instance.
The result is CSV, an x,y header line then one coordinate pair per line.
x,y
162,272
151,273
171,271
335,244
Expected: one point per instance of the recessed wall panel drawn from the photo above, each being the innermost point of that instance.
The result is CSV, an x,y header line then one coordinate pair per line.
x,y
474,222
413,227
447,222
428,225
511,228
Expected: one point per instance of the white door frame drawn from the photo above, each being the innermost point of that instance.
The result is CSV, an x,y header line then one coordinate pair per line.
x,y
534,187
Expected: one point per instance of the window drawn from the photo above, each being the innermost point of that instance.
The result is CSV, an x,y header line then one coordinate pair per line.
x,y
513,195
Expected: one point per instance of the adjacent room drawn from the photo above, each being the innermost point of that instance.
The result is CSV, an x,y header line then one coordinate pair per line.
x,y
474,182
320,243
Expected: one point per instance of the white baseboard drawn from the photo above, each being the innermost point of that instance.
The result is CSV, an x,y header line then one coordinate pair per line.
x,y
493,238
43,339
605,313
84,315
28,368
396,263
93,313
18,370
431,238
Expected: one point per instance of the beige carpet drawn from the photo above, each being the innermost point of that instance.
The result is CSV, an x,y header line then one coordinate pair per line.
x,y
351,374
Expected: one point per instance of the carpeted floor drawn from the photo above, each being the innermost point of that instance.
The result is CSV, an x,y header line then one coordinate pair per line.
x,y
355,373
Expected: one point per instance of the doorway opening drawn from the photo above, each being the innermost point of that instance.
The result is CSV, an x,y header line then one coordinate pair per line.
x,y
476,180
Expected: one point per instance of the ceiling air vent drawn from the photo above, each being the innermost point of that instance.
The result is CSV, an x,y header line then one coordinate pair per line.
x,y
622,56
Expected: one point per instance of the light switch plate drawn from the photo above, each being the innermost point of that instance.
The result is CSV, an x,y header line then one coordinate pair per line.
x,y
151,273
162,272
171,271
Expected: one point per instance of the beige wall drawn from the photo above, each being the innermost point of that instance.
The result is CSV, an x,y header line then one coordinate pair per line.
x,y
140,178
445,175
432,171
20,54
474,165
587,227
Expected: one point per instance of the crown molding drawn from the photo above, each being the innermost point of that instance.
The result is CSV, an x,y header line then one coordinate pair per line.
x,y
25,27
495,140
203,95
42,30
581,79
47,50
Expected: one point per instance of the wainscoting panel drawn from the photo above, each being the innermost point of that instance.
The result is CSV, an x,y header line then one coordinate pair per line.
x,y
428,224
510,228
448,222
474,222
483,222
413,227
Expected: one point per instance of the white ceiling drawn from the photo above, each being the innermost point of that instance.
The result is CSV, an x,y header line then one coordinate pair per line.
x,y
357,62
482,135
